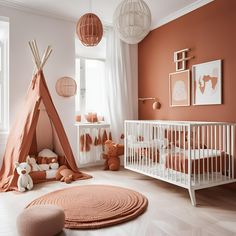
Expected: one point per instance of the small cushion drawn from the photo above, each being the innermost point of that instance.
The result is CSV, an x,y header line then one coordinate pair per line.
x,y
44,220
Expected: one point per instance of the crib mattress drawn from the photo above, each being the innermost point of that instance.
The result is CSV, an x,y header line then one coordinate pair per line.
x,y
202,161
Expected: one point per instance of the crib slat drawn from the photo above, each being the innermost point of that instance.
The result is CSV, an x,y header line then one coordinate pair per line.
x,y
215,153
198,140
224,147
228,149
232,147
208,174
203,150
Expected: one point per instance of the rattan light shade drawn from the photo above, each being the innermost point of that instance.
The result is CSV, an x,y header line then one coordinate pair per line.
x,y
132,20
89,29
66,87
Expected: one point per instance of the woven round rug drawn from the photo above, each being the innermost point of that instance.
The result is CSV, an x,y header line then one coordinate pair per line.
x,y
95,206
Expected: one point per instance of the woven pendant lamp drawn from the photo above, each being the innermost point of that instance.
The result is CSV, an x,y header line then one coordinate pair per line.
x,y
132,21
89,29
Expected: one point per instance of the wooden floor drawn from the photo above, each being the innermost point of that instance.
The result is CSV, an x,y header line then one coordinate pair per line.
x,y
169,212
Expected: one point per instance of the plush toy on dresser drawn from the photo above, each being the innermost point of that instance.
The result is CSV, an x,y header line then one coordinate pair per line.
x,y
111,155
24,180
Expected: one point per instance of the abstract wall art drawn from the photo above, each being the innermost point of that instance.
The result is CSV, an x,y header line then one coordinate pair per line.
x,y
207,83
179,88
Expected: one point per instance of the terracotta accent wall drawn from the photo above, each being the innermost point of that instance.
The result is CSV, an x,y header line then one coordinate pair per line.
x,y
210,32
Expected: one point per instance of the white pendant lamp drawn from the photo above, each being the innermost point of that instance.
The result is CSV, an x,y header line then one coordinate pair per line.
x,y
132,21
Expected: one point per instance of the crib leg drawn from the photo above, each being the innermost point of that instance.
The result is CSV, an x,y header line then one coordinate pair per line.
x,y
192,197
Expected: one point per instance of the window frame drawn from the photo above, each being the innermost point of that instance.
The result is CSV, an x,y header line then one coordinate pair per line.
x,y
4,83
81,84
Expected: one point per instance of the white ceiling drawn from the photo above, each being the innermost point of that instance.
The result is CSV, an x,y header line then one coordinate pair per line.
x,y
162,10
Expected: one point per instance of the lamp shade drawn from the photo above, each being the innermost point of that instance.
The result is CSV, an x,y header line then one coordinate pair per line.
x,y
132,21
66,87
89,29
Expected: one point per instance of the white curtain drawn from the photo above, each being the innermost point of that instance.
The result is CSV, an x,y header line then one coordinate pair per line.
x,y
121,82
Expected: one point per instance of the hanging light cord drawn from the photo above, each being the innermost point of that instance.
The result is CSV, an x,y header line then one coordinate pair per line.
x,y
90,6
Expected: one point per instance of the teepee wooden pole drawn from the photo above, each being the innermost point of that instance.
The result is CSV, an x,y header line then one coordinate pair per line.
x,y
37,52
34,55
39,62
43,58
46,58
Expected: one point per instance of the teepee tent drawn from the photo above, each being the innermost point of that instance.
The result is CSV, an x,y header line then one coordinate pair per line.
x,y
37,127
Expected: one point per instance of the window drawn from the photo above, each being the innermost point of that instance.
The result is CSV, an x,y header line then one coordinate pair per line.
x,y
4,29
90,78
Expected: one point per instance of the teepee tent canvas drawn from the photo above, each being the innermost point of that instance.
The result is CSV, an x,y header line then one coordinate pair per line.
x,y
37,127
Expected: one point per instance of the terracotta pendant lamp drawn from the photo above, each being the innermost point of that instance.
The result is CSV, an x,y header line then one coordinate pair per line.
x,y
132,21
89,29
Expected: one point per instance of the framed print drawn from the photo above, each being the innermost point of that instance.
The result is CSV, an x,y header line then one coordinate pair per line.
x,y
179,88
207,83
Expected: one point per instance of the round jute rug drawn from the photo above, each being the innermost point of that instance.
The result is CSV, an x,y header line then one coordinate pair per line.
x,y
95,206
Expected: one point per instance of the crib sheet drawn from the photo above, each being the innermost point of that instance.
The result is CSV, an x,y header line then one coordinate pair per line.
x,y
202,160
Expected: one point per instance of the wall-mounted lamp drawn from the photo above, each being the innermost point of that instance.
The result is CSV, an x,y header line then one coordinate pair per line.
x,y
155,106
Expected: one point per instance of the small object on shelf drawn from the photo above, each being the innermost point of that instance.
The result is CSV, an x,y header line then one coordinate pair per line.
x,y
91,117
78,118
101,118
155,106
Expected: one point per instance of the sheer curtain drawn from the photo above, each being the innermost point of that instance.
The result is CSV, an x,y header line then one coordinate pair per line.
x,y
121,83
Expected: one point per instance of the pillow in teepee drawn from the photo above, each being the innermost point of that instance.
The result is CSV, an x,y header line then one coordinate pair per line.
x,y
47,153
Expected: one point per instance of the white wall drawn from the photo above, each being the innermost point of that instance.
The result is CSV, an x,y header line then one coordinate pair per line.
x,y
60,34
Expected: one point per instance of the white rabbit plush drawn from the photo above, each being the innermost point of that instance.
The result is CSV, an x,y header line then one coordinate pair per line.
x,y
33,164
24,180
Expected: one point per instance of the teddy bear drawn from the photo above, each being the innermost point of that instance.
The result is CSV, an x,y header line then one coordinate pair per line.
x,y
111,155
64,174
24,180
32,162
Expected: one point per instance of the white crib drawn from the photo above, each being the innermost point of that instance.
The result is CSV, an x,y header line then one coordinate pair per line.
x,y
192,155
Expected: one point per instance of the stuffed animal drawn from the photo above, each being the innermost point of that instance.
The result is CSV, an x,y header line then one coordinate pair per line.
x,y
111,155
24,180
67,175
33,164
53,163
